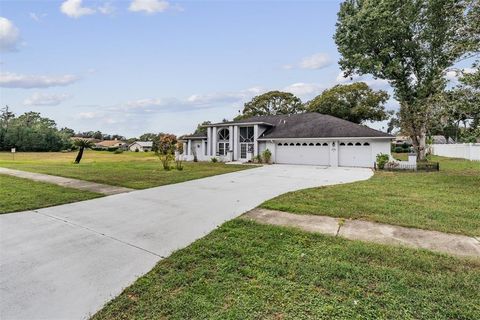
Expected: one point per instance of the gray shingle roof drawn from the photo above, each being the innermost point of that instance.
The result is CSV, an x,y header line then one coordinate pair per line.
x,y
312,125
198,135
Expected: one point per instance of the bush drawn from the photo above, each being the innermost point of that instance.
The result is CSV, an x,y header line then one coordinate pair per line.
x,y
258,158
136,150
267,156
382,159
179,165
118,151
398,150
214,160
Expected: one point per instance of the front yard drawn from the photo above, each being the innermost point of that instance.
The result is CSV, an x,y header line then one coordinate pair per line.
x,y
137,170
447,201
244,270
21,194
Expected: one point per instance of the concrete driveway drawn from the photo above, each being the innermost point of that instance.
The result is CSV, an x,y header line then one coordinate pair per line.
x,y
66,262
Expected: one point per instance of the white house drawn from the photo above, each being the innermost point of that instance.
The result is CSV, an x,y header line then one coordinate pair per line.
x,y
306,138
141,146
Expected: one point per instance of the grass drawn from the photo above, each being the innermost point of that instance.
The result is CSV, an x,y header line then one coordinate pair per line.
x,y
18,194
244,270
446,201
137,170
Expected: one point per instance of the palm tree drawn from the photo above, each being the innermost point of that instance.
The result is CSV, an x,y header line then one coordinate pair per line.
x,y
82,144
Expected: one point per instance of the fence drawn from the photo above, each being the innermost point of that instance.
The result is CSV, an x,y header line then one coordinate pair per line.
x,y
470,151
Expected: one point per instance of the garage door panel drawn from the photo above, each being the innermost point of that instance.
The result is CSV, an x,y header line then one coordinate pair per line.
x,y
355,156
311,155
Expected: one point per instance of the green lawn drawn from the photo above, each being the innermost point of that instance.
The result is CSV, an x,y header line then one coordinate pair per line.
x,y
138,170
244,270
447,201
18,194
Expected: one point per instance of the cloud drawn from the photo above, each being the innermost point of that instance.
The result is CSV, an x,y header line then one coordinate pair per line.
x,y
149,6
374,83
42,99
38,17
305,90
74,9
317,61
13,80
9,35
107,9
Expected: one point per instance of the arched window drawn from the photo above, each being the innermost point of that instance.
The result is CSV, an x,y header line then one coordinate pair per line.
x,y
304,144
285,144
349,144
279,144
358,144
292,144
223,144
311,144
298,143
342,144
223,134
366,144
325,144
318,144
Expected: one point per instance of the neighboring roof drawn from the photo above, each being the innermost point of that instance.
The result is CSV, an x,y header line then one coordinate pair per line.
x,y
442,140
312,125
145,144
109,143
197,135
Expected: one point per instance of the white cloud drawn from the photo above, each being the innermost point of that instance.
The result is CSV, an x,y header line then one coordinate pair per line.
x,y
317,61
13,80
87,115
9,35
107,8
149,6
42,99
374,83
305,90
38,17
74,9
452,75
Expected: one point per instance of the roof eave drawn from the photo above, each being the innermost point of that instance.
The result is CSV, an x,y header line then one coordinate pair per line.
x,y
326,138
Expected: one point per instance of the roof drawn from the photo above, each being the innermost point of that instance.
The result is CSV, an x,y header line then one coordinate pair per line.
x,y
109,143
196,135
311,125
147,144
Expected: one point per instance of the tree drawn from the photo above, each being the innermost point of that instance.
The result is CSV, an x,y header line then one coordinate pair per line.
x,y
354,102
410,43
201,127
166,149
272,103
148,136
82,144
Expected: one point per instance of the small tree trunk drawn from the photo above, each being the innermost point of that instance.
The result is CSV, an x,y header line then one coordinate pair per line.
x,y
79,156
419,144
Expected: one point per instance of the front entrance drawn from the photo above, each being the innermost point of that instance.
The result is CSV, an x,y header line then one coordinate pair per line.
x,y
246,151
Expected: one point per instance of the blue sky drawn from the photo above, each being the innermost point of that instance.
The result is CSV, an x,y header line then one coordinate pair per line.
x,y
138,66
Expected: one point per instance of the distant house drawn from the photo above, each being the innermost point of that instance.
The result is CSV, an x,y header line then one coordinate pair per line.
x,y
142,146
110,144
437,139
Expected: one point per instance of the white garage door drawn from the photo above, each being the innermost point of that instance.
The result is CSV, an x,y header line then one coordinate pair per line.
x,y
355,154
303,153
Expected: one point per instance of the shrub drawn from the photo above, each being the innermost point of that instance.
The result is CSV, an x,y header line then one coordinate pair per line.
x,y
214,160
179,165
118,151
136,150
382,159
399,150
267,156
258,158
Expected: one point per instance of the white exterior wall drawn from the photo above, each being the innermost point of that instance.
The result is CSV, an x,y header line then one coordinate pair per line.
x,y
469,151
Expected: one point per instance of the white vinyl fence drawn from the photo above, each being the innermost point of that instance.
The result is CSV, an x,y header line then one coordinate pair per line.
x,y
470,151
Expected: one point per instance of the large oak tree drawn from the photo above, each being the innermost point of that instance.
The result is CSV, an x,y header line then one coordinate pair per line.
x,y
410,43
272,103
355,102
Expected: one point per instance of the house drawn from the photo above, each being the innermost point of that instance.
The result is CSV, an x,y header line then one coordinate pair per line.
x,y
306,138
110,144
141,146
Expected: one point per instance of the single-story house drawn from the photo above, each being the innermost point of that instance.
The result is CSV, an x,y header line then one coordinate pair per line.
x,y
110,144
141,146
306,138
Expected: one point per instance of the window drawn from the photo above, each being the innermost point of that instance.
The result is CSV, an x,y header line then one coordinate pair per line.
x,y
342,144
285,144
358,144
279,144
298,143
206,148
222,148
318,144
325,144
223,134
350,144
310,144
366,144
292,144
246,134
304,144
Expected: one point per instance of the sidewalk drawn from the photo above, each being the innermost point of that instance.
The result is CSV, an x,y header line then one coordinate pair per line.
x,y
453,244
66,182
